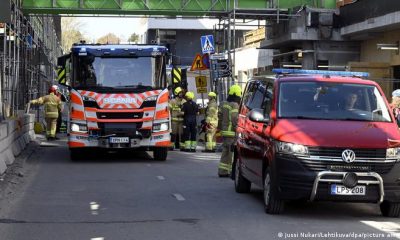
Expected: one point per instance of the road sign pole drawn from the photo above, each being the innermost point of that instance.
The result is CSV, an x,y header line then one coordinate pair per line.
x,y
202,96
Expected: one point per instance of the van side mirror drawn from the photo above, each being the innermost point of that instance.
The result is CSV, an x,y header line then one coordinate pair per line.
x,y
257,115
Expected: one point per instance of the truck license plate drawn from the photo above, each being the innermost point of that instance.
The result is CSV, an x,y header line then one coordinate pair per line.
x,y
342,190
119,139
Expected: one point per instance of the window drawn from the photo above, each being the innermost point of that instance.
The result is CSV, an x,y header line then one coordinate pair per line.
x,y
332,101
267,101
258,96
247,93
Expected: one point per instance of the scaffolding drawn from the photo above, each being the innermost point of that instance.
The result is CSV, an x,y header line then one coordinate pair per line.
x,y
29,47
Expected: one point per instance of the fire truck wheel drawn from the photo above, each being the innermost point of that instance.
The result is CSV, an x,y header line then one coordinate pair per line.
x,y
76,154
160,154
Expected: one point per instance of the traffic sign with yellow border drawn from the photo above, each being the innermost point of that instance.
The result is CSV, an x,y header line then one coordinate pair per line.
x,y
201,81
202,90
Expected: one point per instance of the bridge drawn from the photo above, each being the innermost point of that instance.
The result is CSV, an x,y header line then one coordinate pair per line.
x,y
212,8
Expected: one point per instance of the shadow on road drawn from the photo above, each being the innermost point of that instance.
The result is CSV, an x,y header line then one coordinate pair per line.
x,y
324,210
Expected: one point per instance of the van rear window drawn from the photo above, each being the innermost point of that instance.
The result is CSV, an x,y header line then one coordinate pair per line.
x,y
332,101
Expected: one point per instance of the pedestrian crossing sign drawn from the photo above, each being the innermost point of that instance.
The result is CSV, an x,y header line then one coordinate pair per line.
x,y
207,44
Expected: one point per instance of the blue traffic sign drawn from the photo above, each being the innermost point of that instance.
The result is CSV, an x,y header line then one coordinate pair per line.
x,y
207,44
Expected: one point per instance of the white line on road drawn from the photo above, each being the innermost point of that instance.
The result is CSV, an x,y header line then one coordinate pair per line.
x,y
97,238
161,178
178,197
94,206
390,228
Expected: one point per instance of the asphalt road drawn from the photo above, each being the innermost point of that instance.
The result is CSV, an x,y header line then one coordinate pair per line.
x,y
115,197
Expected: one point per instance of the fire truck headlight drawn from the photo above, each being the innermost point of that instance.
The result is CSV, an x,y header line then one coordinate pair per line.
x,y
152,98
78,127
160,127
89,99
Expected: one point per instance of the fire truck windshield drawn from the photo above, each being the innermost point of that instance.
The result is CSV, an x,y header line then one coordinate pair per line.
x,y
117,72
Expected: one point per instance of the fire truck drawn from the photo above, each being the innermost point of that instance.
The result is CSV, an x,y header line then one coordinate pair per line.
x,y
118,98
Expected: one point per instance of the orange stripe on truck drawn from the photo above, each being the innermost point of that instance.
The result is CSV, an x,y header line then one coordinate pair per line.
x,y
163,144
76,99
79,115
75,144
162,114
164,98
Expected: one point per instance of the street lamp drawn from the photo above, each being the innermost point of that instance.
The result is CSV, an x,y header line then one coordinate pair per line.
x,y
389,46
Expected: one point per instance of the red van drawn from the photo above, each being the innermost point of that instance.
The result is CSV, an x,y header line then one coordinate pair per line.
x,y
311,135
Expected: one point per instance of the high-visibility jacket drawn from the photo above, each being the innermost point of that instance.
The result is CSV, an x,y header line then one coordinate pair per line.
x,y
212,113
228,117
52,105
175,106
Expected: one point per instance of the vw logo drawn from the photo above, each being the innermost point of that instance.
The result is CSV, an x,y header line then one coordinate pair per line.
x,y
348,156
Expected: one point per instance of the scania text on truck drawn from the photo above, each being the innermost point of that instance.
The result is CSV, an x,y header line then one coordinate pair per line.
x,y
118,98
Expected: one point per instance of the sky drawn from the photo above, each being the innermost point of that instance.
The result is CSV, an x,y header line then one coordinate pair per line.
x,y
96,27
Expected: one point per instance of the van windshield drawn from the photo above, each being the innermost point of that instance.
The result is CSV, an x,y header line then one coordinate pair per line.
x,y
332,101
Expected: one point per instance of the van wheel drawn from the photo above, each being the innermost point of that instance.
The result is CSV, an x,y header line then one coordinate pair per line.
x,y
160,154
390,209
242,185
272,204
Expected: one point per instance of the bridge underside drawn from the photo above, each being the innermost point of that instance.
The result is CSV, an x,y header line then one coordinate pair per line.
x,y
156,7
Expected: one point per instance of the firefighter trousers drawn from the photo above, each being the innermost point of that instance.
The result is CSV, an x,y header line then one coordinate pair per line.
x,y
210,138
190,132
225,163
51,125
177,134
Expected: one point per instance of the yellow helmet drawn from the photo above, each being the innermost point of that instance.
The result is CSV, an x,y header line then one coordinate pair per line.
x,y
235,90
177,90
189,95
212,94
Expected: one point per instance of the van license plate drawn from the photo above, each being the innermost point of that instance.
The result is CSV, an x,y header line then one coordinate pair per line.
x,y
119,139
342,190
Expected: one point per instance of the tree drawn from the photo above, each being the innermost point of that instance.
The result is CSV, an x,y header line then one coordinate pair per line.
x,y
71,32
109,38
134,38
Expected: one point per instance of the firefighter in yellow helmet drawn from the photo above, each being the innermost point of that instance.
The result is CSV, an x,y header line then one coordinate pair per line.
x,y
190,111
211,121
228,116
52,106
175,107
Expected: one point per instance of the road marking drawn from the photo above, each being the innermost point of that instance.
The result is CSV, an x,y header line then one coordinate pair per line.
x,y
179,197
161,178
94,207
97,238
390,228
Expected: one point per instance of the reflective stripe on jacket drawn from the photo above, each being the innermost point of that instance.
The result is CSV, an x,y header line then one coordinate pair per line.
x,y
52,105
175,106
228,118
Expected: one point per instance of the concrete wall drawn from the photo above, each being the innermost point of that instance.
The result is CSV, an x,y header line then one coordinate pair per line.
x,y
14,136
370,53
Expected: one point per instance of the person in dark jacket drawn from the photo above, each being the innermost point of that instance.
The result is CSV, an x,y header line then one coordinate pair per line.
x,y
190,111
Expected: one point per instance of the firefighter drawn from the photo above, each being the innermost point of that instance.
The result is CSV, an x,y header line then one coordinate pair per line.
x,y
62,98
211,122
52,106
228,115
190,111
175,106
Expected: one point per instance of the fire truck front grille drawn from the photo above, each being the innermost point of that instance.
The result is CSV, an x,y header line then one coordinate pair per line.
x,y
120,115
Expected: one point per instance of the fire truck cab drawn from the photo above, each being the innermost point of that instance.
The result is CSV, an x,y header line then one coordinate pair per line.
x,y
118,98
